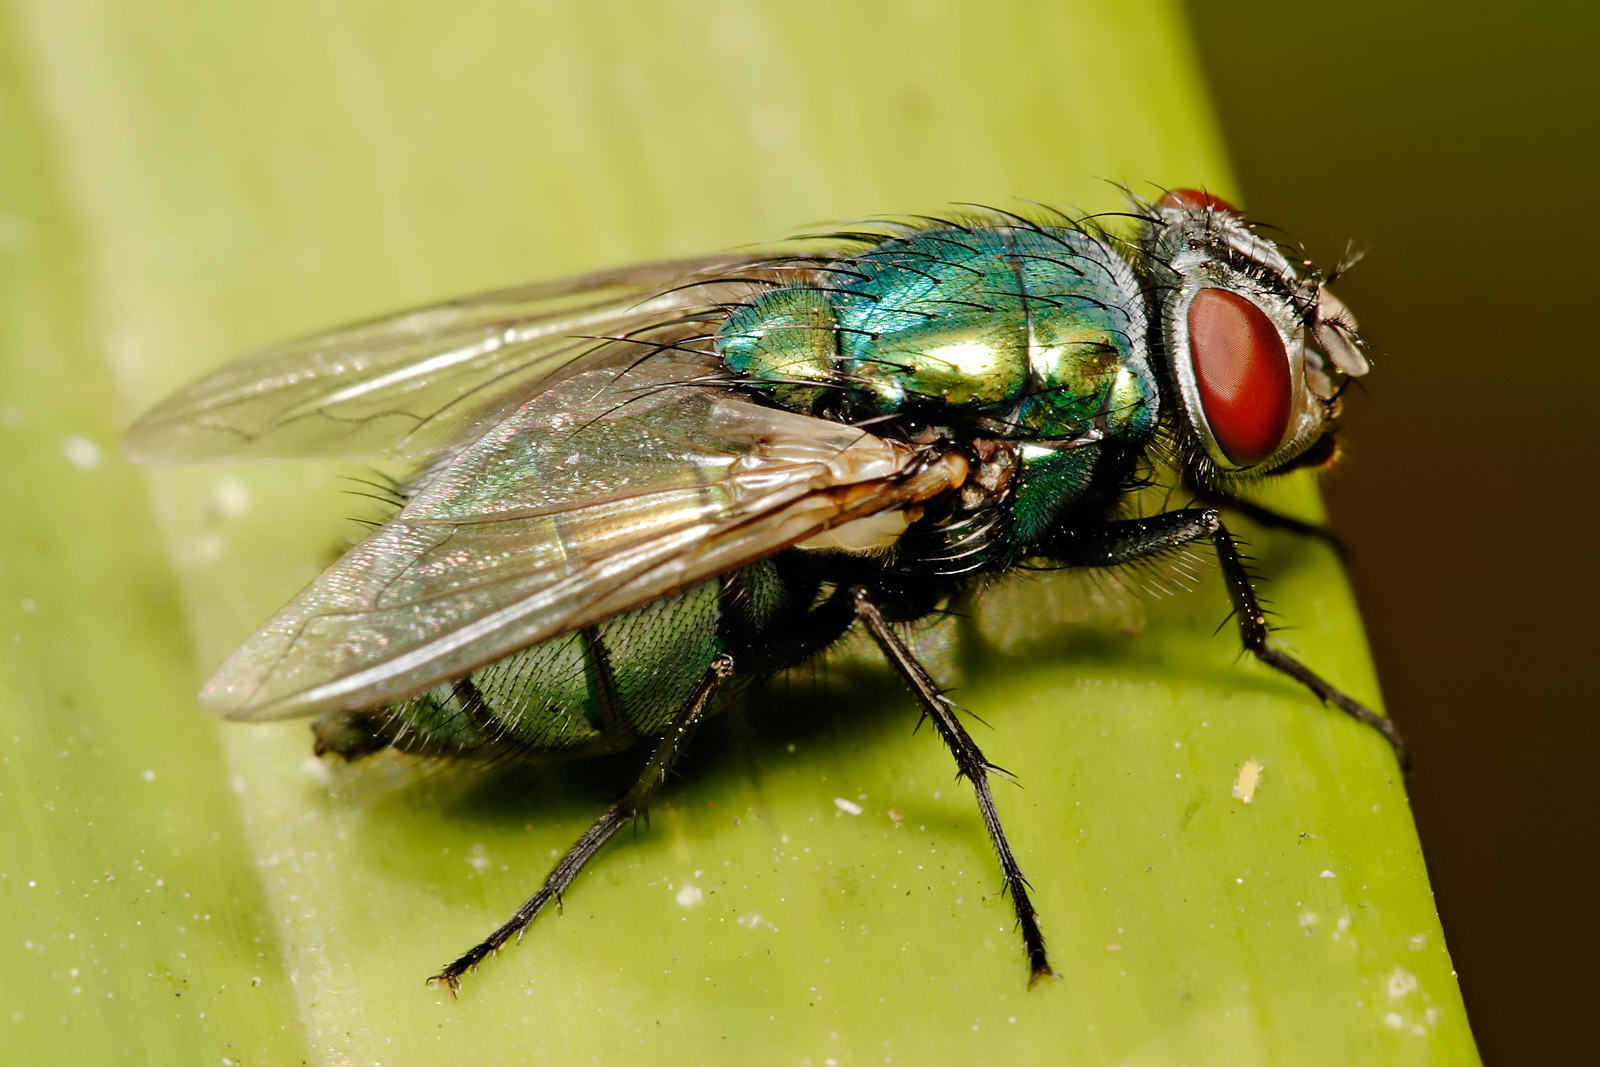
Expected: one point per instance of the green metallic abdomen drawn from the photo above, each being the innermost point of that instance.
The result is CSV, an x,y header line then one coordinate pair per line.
x,y
600,689
597,689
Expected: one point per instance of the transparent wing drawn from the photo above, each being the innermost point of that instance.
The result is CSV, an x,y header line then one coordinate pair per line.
x,y
415,384
617,484
1027,610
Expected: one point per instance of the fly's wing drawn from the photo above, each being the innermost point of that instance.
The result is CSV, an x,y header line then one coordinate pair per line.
x,y
617,484
1028,609
416,384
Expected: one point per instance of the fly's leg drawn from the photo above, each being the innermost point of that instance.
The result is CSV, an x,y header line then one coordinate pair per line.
x,y
624,811
1257,638
1275,520
970,764
1130,540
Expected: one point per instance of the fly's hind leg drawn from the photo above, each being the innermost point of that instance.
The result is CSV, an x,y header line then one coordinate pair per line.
x,y
1124,542
624,811
971,765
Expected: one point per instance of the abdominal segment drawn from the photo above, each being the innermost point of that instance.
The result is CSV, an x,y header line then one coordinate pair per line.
x,y
603,688
598,689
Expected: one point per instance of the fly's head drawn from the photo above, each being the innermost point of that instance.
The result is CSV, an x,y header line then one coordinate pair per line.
x,y
1256,353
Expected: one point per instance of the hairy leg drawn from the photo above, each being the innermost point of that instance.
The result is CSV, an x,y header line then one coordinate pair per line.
x,y
1113,543
624,811
970,764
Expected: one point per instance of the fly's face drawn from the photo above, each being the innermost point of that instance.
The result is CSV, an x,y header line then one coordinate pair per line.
x,y
1257,354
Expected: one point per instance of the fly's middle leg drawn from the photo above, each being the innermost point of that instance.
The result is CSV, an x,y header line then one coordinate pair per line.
x,y
971,765
666,753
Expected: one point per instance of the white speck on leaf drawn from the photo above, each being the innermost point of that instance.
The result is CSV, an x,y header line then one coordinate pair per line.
x,y
689,896
1401,983
849,807
230,498
1244,786
81,452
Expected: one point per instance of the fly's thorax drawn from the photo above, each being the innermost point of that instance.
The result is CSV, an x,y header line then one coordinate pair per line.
x,y
1032,339
1030,483
1255,353
1040,331
1050,480
785,340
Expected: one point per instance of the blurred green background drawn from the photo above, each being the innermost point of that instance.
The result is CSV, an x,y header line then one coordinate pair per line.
x,y
1460,145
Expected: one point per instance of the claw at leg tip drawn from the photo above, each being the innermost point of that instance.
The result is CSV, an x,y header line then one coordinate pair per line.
x,y
450,982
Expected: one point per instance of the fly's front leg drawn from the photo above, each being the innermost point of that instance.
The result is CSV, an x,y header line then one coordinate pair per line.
x,y
1257,638
1272,519
970,764
624,811
1124,542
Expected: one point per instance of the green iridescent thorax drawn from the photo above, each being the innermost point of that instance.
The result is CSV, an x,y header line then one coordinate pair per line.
x,y
1035,335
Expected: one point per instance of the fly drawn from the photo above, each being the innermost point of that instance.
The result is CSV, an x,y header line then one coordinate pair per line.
x,y
640,489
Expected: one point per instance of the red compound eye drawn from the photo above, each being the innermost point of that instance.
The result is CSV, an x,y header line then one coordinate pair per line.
x,y
1195,200
1242,370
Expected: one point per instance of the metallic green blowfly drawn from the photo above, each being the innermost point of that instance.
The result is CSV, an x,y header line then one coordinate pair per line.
x,y
642,485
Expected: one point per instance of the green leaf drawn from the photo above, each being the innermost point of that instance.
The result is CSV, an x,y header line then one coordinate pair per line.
x,y
182,182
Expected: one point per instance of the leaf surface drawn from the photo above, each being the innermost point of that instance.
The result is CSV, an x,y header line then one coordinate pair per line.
x,y
182,183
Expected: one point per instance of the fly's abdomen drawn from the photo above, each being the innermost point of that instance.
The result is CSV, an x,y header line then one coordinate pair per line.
x,y
598,689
